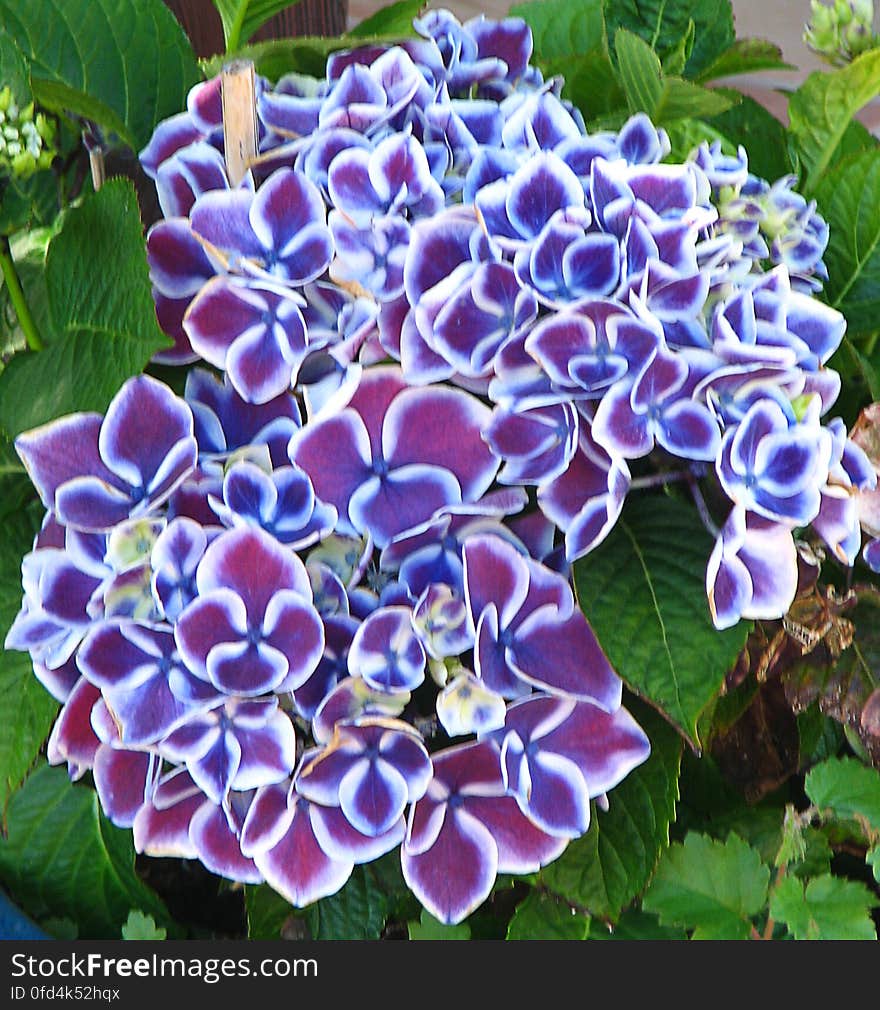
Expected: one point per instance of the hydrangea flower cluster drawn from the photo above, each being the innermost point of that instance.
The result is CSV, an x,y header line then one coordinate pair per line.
x,y
26,139
318,608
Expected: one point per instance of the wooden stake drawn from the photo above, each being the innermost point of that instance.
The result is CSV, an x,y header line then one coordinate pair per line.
x,y
239,117
99,172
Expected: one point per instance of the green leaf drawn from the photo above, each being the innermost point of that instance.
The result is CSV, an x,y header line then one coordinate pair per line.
x,y
639,69
429,928
544,917
849,200
712,887
590,83
662,23
745,56
872,858
395,19
610,865
241,18
357,912
643,591
28,725
827,908
63,858
561,28
674,61
635,925
125,64
104,326
648,90
28,203
682,98
847,788
267,912
685,135
139,926
821,110
14,71
749,124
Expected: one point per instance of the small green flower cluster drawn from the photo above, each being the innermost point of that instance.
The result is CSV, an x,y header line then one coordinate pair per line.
x,y
840,31
26,140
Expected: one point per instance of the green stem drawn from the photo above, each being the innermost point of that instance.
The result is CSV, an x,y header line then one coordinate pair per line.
x,y
17,297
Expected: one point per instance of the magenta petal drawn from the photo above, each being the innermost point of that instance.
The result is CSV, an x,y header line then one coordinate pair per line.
x,y
217,617
442,427
340,840
522,846
143,424
298,868
336,455
372,795
268,818
253,564
123,780
494,573
218,847
455,875
406,497
72,739
565,656
165,831
61,451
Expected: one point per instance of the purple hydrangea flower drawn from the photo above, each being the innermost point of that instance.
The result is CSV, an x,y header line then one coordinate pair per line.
x,y
396,454
95,472
252,627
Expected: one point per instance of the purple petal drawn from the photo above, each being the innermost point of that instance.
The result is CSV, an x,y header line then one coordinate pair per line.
x,y
340,840
60,451
219,848
147,425
123,780
455,875
267,819
335,453
219,617
373,795
494,573
578,666
268,753
618,428
297,867
689,429
386,506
